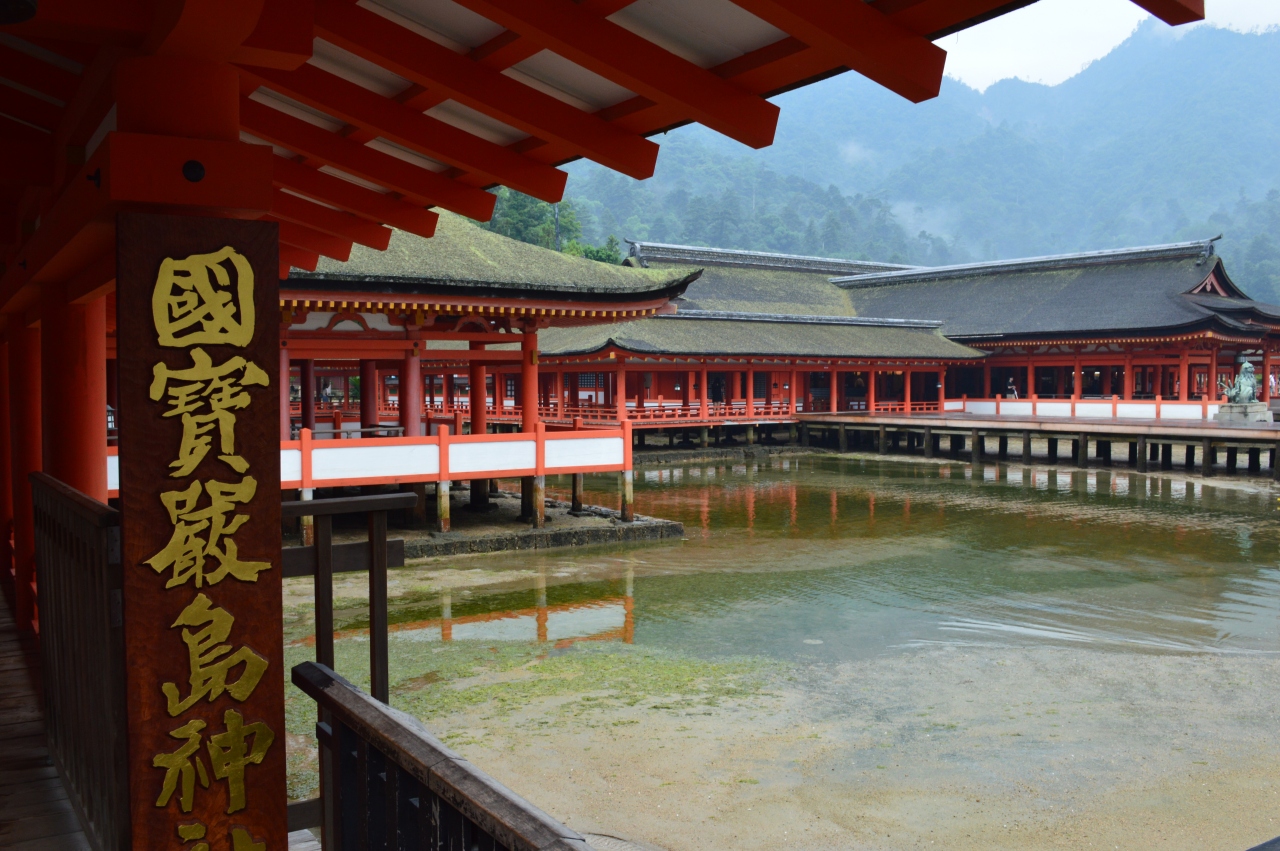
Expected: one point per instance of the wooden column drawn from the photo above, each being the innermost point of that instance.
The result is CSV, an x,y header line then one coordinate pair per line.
x,y
871,391
1184,375
6,465
704,394
368,394
1128,377
620,397
793,389
529,380
750,391
282,385
25,459
906,391
411,394
201,530
307,386
986,381
73,357
1214,393
1265,379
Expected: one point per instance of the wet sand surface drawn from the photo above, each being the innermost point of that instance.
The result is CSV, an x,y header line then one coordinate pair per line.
x,y
855,653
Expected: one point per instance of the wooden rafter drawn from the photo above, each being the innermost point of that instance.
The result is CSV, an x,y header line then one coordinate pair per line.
x,y
421,60
618,54
862,38
418,183
382,116
352,198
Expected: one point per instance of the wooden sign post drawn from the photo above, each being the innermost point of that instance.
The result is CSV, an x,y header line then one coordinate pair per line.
x,y
199,421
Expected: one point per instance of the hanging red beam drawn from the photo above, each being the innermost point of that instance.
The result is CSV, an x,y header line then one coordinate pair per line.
x,y
1174,12
308,239
293,257
422,185
35,74
618,54
356,200
862,38
300,211
433,66
422,133
29,108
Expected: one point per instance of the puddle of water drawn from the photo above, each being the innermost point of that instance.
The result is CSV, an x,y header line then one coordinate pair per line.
x,y
829,559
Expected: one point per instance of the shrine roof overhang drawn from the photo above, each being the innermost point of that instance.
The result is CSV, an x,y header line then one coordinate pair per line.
x,y
464,260
1130,293
1211,328
353,118
760,336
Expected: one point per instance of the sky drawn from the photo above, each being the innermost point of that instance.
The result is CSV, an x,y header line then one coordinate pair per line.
x,y
1052,40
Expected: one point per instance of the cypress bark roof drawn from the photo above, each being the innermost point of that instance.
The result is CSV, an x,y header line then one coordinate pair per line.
x,y
778,336
1164,288
463,259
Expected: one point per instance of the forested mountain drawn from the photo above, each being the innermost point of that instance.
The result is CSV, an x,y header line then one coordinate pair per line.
x,y
1173,135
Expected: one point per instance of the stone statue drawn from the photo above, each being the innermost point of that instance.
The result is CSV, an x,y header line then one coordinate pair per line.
x,y
1244,389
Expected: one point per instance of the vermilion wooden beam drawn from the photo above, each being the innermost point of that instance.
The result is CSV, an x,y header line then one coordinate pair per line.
x,y
862,38
308,239
637,63
418,183
436,67
1174,12
34,74
28,108
352,198
300,211
406,126
291,256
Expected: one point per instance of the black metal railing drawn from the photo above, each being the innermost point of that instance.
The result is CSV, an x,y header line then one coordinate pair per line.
x,y
395,787
82,655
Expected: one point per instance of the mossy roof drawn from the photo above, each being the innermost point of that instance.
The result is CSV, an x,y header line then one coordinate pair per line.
x,y
733,288
465,259
711,337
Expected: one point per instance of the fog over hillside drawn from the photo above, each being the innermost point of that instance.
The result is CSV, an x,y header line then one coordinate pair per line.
x,y
1172,135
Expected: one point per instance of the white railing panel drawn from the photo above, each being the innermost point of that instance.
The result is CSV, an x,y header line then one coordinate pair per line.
x,y
290,465
953,405
976,407
1053,409
1135,411
1180,411
1093,409
1016,409
584,452
1212,412
350,460
113,472
482,457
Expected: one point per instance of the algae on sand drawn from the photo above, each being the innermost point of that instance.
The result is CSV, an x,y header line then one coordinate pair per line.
x,y
433,681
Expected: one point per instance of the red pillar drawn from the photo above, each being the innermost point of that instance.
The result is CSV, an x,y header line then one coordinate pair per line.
x,y
307,383
750,391
529,380
1214,393
793,389
286,421
620,397
986,381
24,447
368,394
73,395
479,394
1184,375
871,391
411,395
906,390
704,395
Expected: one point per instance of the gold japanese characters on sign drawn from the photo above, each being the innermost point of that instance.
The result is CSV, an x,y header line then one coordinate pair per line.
x,y
196,302
208,300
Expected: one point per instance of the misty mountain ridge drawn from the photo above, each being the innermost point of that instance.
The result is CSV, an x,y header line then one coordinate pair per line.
x,y
1168,137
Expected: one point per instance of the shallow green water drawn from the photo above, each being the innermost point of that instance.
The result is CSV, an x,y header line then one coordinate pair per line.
x,y
826,559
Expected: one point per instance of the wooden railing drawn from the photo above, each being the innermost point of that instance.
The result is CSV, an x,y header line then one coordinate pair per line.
x,y
79,578
395,786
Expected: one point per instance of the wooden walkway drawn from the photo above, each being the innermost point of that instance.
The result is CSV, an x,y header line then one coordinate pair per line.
x,y
35,814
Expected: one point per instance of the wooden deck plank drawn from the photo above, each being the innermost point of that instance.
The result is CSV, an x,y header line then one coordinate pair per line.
x,y
35,812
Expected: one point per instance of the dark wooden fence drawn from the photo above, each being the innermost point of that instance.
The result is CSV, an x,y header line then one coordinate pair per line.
x,y
82,655
398,788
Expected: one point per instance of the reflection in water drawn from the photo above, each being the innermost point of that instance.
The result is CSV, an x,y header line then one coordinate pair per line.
x,y
868,557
